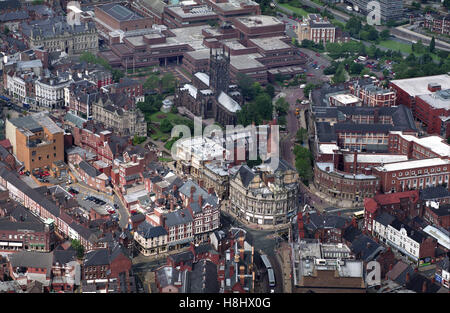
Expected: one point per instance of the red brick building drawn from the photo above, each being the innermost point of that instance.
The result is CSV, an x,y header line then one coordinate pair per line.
x,y
418,147
413,174
372,95
113,16
408,89
107,265
432,110
437,214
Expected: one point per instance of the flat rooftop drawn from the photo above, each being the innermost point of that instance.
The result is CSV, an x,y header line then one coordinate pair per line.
x,y
434,143
438,100
419,85
196,11
413,164
233,5
259,21
120,13
346,98
246,61
270,43
376,158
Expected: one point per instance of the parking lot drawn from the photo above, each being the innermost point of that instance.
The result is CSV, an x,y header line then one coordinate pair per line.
x,y
100,203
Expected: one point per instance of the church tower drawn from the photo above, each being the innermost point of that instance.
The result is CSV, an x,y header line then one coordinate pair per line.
x,y
219,71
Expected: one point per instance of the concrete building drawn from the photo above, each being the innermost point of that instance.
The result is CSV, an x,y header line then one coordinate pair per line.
x,y
37,141
321,268
389,10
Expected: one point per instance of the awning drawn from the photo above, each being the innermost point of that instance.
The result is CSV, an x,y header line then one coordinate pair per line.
x,y
334,191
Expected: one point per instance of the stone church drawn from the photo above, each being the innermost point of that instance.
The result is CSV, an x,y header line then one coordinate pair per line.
x,y
212,96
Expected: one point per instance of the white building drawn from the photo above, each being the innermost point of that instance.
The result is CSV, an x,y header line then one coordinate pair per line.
x,y
50,92
399,236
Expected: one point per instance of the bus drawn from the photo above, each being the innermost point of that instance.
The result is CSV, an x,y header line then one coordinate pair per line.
x,y
266,261
271,278
358,215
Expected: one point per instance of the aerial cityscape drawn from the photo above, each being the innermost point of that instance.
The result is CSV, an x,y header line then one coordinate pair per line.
x,y
224,147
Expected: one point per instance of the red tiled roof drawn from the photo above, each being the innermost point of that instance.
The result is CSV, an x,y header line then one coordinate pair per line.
x,y
391,198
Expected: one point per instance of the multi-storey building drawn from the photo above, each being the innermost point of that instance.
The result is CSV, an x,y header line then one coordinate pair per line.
x,y
408,88
342,185
317,29
116,17
437,23
414,243
119,113
54,34
37,141
373,95
433,110
264,195
418,147
413,174
50,91
389,10
188,14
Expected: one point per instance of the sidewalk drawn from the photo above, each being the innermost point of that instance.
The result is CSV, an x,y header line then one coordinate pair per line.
x,y
284,258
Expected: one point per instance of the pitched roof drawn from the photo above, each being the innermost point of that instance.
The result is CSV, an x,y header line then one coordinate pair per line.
x,y
366,248
431,193
32,259
385,219
96,257
89,169
414,234
147,230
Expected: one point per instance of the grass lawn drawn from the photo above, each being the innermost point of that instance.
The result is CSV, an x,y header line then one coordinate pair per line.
x,y
403,47
298,11
155,120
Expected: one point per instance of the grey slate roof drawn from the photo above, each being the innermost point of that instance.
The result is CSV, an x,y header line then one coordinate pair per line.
x,y
203,278
147,230
317,221
432,193
178,217
365,248
96,257
385,219
64,256
89,169
31,259
246,175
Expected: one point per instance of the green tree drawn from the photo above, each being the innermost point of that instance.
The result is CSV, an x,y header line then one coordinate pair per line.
x,y
168,83
166,126
339,76
356,68
432,45
152,82
6,30
78,247
282,106
245,84
446,4
302,135
303,163
308,88
270,90
385,34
